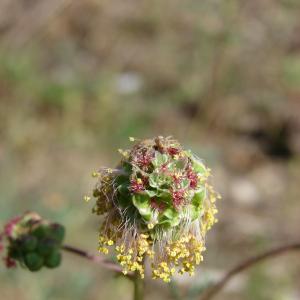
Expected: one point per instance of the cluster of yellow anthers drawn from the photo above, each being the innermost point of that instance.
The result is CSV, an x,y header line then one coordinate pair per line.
x,y
122,201
184,254
130,258
106,187
210,210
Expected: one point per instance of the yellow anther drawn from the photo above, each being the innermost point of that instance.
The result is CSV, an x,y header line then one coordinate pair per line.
x,y
150,226
86,198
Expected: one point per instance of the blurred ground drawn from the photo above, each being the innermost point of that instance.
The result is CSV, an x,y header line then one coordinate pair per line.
x,y
78,77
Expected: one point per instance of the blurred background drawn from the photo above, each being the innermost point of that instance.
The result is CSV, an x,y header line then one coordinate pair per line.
x,y
77,78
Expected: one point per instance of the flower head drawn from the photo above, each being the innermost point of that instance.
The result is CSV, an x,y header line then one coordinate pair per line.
x,y
31,242
157,204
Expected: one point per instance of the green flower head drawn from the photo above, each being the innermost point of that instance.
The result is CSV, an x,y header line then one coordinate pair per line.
x,y
156,203
32,242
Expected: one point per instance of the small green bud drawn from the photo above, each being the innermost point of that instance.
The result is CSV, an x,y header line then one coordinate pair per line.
x,y
33,261
53,260
41,231
29,243
57,232
46,246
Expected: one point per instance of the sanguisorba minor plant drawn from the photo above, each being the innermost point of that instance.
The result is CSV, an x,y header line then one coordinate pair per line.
x,y
156,205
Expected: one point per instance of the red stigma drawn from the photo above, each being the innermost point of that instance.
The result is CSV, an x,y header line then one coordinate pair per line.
x,y
178,197
173,151
136,186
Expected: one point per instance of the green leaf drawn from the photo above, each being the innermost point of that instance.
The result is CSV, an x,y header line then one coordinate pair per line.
x,y
142,203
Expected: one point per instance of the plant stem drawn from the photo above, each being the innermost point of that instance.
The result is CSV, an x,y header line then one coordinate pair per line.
x,y
138,287
96,259
217,287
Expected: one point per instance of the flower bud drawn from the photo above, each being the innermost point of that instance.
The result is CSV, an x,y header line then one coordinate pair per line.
x,y
32,242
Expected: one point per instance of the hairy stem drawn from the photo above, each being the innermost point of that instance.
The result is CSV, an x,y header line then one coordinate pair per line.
x,y
217,287
94,258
